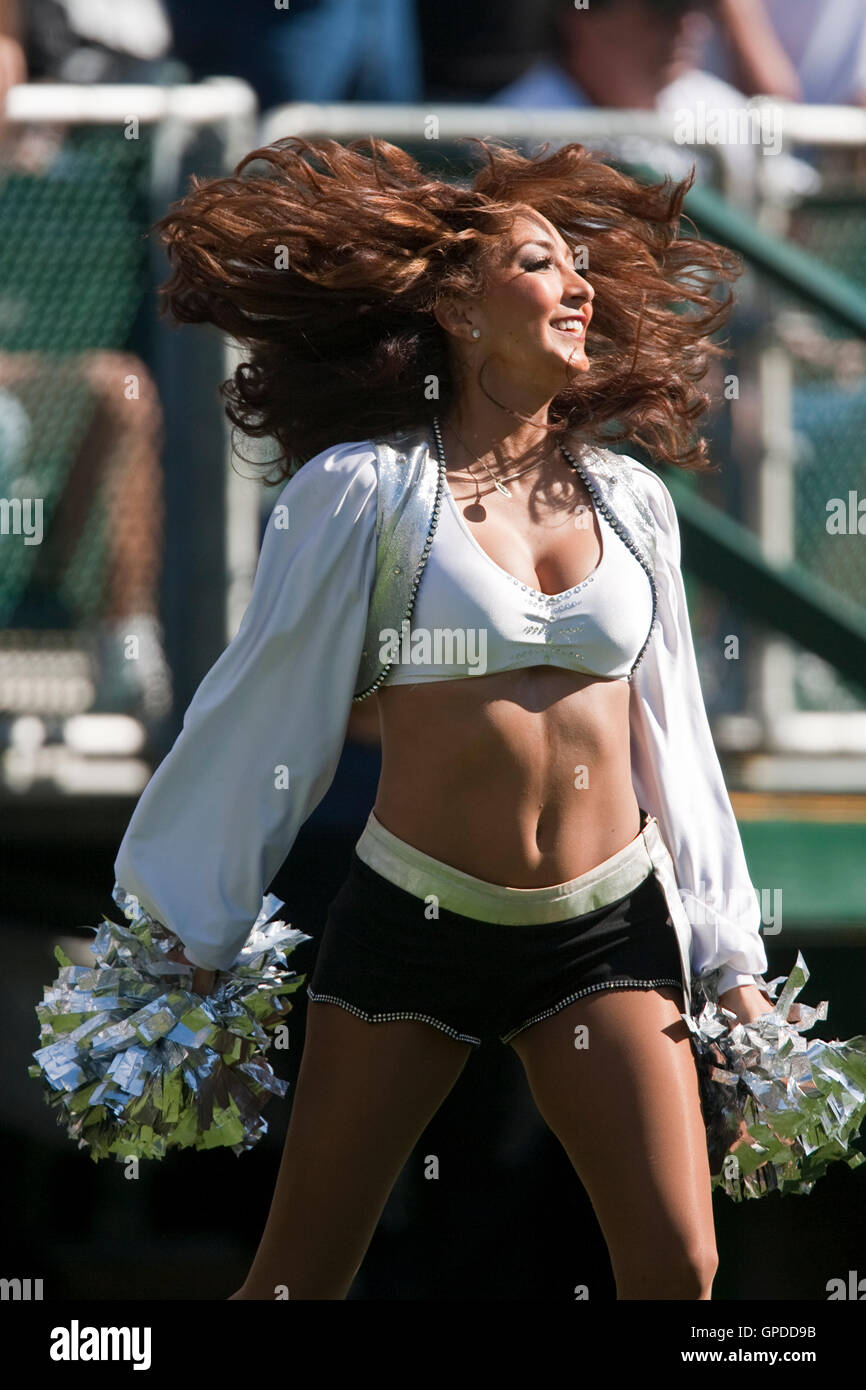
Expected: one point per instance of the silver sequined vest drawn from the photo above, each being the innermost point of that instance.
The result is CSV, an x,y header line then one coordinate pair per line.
x,y
409,496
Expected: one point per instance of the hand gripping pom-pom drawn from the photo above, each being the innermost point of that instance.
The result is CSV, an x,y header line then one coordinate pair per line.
x,y
778,1109
136,1063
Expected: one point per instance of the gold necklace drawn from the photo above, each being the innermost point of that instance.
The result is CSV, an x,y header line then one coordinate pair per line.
x,y
498,483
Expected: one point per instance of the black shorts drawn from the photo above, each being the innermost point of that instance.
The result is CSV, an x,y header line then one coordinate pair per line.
x,y
383,957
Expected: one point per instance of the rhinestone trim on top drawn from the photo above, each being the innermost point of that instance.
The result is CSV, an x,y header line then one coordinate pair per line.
x,y
546,602
601,506
625,536
434,520
613,521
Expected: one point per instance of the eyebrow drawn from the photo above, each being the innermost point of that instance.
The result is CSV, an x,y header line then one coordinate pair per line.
x,y
539,241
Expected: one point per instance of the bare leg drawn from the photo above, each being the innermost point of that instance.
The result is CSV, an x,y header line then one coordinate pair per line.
x,y
365,1094
625,1108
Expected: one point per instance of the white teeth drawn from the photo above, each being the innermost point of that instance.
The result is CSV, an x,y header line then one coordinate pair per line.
x,y
569,326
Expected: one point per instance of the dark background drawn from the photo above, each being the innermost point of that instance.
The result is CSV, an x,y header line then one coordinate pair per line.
x,y
507,1218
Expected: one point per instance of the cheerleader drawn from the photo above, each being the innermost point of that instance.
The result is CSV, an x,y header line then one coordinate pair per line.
x,y
552,858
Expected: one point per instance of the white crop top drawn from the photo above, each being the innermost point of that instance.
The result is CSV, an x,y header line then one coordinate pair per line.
x,y
472,618
263,734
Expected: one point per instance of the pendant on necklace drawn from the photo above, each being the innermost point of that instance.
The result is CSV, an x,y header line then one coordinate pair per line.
x,y
500,487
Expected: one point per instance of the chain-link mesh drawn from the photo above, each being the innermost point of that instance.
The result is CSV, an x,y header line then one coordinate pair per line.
x,y
828,384
80,419
80,424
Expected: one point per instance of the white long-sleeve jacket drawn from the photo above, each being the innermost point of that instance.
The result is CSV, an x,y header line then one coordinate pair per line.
x,y
263,734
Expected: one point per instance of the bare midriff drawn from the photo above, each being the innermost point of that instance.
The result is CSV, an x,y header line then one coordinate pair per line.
x,y
520,777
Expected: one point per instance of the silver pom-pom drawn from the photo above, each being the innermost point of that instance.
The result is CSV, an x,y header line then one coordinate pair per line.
x,y
778,1108
137,1065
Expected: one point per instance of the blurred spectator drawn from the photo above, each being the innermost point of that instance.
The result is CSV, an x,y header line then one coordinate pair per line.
x,y
288,50
616,53
309,50
644,55
470,49
81,41
813,50
13,61
111,466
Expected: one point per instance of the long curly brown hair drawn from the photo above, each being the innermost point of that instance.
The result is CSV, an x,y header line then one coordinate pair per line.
x,y
328,270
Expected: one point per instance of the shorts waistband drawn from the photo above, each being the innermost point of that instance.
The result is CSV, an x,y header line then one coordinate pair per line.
x,y
456,891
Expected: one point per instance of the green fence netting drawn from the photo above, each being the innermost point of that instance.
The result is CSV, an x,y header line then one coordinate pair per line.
x,y
75,404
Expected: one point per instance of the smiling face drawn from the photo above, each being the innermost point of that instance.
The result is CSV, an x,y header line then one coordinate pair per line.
x,y
532,287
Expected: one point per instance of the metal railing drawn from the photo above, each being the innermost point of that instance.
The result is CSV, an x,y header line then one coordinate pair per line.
x,y
755,559
738,203
86,170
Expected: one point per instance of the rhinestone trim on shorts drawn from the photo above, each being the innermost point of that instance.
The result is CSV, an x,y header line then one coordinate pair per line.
x,y
505,1038
385,1018
590,989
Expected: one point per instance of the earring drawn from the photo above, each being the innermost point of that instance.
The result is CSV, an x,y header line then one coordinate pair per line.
x,y
476,332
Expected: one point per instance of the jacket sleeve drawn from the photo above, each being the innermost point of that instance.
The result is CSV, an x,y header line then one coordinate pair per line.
x,y
678,778
263,734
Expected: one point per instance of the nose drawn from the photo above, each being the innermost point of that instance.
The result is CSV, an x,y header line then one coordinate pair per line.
x,y
581,288
579,285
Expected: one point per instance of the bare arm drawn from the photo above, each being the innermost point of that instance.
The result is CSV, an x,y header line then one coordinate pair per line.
x,y
10,19
762,65
13,59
